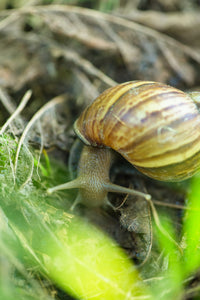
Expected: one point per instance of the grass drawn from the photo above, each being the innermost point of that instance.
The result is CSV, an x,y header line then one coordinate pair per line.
x,y
42,243
39,239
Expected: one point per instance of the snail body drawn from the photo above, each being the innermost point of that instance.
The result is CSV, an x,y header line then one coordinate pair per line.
x,y
152,125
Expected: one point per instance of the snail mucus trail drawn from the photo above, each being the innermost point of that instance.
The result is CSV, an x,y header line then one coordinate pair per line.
x,y
154,126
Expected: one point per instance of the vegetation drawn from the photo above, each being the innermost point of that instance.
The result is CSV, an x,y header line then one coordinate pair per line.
x,y
56,56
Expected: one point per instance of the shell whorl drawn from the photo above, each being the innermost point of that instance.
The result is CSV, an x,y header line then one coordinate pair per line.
x,y
154,126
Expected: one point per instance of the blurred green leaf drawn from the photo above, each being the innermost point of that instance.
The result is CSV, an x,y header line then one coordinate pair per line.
x,y
191,228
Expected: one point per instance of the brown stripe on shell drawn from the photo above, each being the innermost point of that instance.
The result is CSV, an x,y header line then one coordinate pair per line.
x,y
126,117
89,122
88,126
153,133
113,101
174,172
112,136
150,153
155,98
144,100
121,101
175,155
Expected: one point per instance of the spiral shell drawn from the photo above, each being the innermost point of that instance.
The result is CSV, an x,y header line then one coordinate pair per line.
x,y
154,126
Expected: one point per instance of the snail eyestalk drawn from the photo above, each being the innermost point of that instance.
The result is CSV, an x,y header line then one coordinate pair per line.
x,y
74,184
93,178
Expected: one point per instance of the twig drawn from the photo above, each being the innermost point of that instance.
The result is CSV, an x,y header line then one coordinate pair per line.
x,y
21,106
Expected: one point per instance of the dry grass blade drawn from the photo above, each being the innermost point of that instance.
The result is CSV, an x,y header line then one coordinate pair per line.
x,y
88,67
21,106
96,15
183,25
8,20
137,44
162,229
185,71
38,114
6,101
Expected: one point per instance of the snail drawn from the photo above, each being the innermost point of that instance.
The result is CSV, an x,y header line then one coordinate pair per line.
x,y
154,126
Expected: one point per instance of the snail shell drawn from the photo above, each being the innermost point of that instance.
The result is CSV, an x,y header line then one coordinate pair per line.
x,y
154,126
